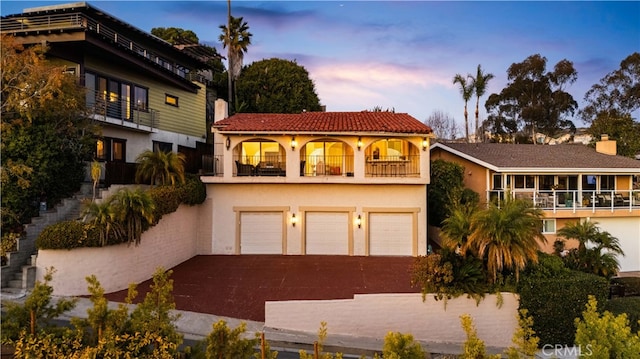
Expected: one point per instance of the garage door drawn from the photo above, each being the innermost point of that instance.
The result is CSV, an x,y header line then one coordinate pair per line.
x,y
327,233
391,234
261,233
627,230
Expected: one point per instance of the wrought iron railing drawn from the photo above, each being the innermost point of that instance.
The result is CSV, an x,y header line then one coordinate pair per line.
x,y
341,165
212,165
269,165
393,166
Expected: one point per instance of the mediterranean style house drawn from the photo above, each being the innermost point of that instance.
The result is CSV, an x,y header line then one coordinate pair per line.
x,y
569,182
328,183
142,91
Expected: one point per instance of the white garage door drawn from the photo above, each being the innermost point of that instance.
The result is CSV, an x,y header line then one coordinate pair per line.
x,y
327,233
391,234
627,230
261,233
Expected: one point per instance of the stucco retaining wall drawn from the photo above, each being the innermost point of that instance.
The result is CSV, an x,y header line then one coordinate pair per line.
x,y
374,315
170,242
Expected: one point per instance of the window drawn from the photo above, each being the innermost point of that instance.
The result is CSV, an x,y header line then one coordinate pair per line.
x,y
497,181
607,182
171,100
524,181
141,98
111,149
162,146
548,226
546,182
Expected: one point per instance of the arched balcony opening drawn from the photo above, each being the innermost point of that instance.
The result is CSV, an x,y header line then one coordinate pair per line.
x,y
326,157
392,158
260,157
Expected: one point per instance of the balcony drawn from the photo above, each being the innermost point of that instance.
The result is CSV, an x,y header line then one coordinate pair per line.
x,y
341,165
120,111
393,166
271,165
574,200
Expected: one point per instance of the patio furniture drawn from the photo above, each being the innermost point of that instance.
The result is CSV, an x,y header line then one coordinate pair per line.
x,y
243,169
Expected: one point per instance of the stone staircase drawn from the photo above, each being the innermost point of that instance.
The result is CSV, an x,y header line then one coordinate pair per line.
x,y
19,274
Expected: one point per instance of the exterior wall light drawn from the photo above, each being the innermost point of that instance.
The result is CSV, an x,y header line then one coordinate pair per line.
x,y
359,143
425,144
294,220
228,142
293,143
359,221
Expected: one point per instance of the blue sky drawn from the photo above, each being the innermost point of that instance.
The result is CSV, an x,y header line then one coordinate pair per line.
x,y
404,54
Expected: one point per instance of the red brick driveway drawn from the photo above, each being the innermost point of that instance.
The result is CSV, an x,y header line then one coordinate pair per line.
x,y
238,286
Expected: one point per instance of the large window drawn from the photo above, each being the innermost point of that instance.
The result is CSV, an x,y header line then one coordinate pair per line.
x,y
548,226
524,181
255,152
115,98
111,149
607,182
326,158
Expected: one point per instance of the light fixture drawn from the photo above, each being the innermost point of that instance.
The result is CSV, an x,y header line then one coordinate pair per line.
x,y
359,143
228,143
425,144
359,221
294,220
293,143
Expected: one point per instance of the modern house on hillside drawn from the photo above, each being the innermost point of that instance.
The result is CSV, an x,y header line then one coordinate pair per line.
x,y
142,91
334,183
568,182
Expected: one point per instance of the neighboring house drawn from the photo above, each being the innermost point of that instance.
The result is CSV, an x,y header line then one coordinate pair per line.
x,y
330,183
568,182
141,90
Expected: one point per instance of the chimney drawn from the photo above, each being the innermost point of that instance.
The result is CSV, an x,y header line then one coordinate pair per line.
x,y
221,110
606,146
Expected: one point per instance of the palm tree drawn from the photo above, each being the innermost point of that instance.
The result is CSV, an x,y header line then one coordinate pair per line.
x,y
506,236
456,228
235,38
105,218
160,167
479,85
467,91
597,249
134,209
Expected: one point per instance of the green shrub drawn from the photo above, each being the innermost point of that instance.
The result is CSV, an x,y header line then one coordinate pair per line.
x,y
554,303
193,190
68,235
166,200
628,305
605,335
631,285
401,346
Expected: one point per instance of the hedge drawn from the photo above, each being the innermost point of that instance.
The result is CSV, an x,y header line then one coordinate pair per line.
x,y
68,235
554,303
77,234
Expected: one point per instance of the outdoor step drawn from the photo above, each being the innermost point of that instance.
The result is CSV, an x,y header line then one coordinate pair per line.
x,y
15,283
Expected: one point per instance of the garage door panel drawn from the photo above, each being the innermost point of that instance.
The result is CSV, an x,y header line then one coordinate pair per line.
x,y
391,234
327,233
261,233
627,230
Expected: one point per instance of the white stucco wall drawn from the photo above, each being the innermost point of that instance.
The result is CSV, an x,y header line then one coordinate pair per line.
x,y
138,142
297,196
374,315
172,241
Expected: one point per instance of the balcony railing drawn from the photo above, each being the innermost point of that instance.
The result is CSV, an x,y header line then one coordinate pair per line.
x,y
212,165
271,165
573,199
393,166
118,110
327,166
80,21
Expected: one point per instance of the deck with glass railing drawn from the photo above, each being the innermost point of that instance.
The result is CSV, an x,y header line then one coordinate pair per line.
x,y
574,199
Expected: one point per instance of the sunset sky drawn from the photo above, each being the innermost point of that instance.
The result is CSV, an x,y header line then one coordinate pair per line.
x,y
404,54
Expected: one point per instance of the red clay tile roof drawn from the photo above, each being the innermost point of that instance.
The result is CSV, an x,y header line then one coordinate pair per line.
x,y
326,122
564,156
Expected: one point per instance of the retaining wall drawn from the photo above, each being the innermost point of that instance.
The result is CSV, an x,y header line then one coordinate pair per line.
x,y
374,315
170,242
